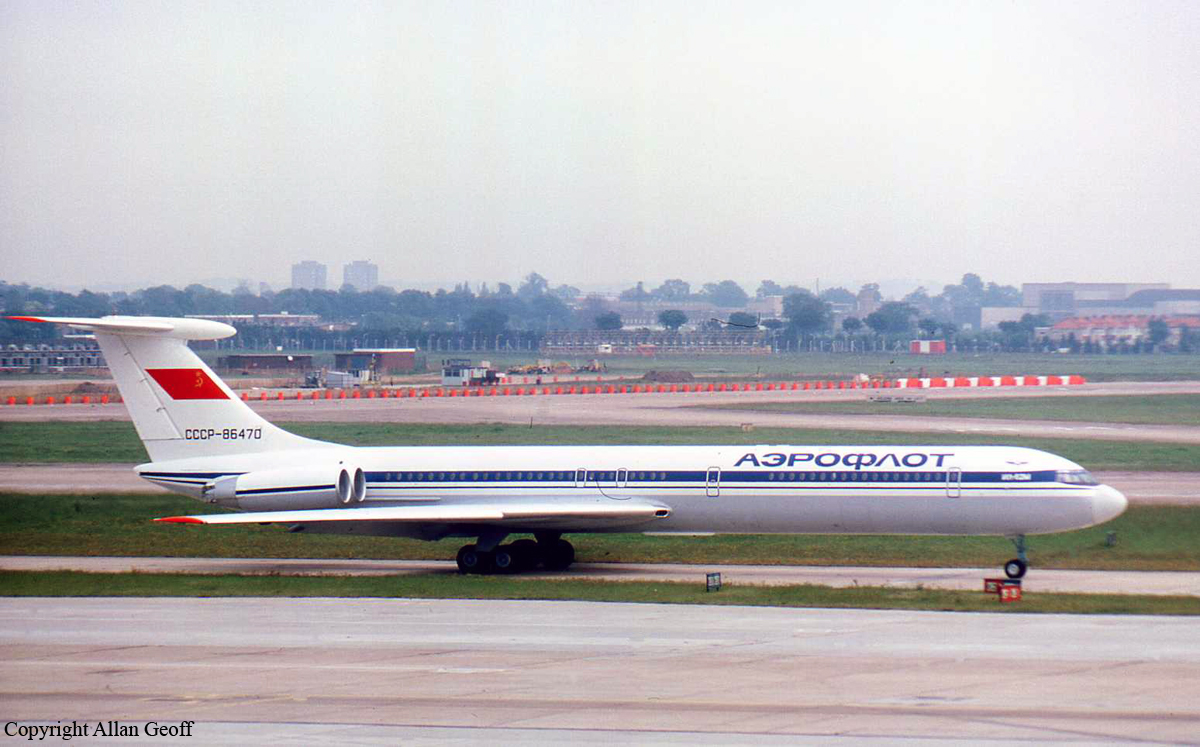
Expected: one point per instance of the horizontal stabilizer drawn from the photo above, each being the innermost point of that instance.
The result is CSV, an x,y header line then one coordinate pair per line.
x,y
622,512
186,329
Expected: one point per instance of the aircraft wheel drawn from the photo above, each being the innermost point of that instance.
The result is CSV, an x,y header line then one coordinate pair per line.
x,y
559,556
526,553
1015,568
504,560
471,560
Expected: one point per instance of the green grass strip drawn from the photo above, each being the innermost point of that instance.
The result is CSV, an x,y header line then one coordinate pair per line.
x,y
1158,409
1150,538
452,586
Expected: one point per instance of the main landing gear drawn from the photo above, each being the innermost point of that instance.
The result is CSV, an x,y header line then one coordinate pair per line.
x,y
488,556
1016,567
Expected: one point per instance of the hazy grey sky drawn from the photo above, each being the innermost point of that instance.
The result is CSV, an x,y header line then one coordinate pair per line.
x,y
600,142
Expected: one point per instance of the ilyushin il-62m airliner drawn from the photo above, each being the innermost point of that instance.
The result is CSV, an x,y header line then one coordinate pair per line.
x,y
206,443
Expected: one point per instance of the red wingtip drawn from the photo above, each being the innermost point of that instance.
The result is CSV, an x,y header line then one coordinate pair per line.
x,y
180,520
25,319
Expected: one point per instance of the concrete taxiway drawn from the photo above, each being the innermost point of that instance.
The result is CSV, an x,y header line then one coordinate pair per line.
x,y
326,671
1179,583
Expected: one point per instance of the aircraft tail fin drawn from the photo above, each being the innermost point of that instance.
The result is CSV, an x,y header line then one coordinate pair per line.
x,y
181,409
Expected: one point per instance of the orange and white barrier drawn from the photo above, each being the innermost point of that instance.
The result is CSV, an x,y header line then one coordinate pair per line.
x,y
959,382
948,382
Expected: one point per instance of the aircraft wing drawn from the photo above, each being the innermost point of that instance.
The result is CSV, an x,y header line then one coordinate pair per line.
x,y
593,513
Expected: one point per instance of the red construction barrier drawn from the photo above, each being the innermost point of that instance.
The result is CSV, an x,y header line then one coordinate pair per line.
x,y
262,397
316,395
341,394
1032,381
518,392
937,383
962,381
1008,381
29,400
1073,379
87,399
371,394
11,401
245,397
328,394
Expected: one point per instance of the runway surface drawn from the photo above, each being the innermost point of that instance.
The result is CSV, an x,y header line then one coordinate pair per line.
x,y
325,671
686,410
1181,583
1169,488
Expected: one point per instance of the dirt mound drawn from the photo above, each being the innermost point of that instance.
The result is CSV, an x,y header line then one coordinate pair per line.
x,y
669,377
90,387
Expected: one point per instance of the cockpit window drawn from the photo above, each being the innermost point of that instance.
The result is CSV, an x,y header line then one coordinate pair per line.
x,y
1077,477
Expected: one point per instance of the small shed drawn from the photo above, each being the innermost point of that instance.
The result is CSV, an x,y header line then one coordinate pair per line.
x,y
378,360
265,362
927,347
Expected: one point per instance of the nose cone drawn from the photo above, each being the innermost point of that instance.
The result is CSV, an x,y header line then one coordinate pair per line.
x,y
1107,504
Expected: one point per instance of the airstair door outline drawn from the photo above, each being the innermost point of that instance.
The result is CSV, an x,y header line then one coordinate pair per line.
x,y
712,482
954,482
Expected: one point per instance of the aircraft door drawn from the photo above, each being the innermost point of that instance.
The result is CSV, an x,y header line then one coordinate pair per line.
x,y
613,484
954,483
712,482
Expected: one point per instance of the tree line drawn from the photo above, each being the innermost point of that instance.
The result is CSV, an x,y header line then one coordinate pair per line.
x,y
518,317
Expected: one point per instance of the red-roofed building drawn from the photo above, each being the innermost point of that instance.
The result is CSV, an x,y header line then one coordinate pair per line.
x,y
1113,330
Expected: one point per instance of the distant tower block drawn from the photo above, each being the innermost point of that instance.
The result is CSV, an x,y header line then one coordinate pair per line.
x,y
308,275
362,274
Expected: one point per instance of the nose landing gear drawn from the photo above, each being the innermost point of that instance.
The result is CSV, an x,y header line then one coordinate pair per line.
x,y
1016,567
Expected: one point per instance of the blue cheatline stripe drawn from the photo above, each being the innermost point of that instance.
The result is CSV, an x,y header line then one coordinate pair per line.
x,y
660,479
878,486
692,478
297,489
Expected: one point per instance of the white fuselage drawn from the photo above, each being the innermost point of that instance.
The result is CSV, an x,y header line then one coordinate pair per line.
x,y
938,489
